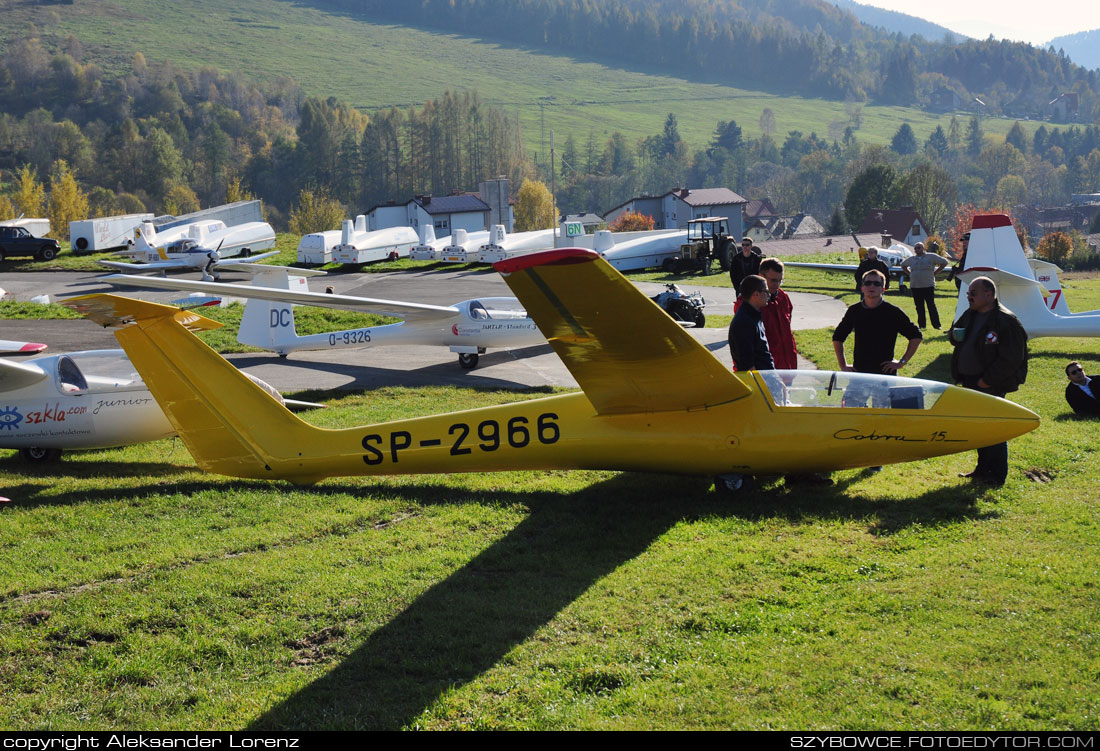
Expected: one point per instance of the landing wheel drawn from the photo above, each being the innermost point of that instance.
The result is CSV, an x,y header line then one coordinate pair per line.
x,y
393,255
732,483
39,455
246,252
668,265
468,360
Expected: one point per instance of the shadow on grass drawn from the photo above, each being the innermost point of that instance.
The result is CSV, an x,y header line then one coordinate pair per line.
x,y
364,376
465,624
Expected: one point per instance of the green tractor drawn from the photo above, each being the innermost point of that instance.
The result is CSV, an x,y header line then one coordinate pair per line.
x,y
708,238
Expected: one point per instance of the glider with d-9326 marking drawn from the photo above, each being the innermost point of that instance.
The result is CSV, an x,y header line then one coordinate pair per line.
x,y
467,328
653,399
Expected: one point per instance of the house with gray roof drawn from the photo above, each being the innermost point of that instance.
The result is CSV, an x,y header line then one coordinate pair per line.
x,y
902,224
445,213
676,208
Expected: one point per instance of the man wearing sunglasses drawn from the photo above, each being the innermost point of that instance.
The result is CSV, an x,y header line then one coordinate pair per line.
x,y
990,356
743,264
877,324
1082,392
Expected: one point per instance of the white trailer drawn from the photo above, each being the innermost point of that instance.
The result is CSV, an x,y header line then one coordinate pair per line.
x,y
37,227
360,246
104,233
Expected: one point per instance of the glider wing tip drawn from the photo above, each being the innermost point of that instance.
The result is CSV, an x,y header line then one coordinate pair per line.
x,y
557,257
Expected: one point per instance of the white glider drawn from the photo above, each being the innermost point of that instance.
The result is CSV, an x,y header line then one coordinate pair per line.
x,y
1030,288
85,400
197,251
892,257
467,328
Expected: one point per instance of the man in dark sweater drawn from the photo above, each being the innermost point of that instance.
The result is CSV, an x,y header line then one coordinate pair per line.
x,y
748,342
877,324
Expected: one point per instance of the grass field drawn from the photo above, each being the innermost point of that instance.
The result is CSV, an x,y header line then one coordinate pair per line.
x,y
138,592
372,65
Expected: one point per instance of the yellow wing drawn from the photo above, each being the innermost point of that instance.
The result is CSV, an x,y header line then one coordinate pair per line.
x,y
111,310
626,353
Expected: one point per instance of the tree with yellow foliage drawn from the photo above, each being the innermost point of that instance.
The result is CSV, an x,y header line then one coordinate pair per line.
x,y
535,207
7,208
30,195
315,212
181,200
68,203
234,192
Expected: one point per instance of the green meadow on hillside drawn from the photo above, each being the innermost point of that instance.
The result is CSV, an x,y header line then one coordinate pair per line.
x,y
372,65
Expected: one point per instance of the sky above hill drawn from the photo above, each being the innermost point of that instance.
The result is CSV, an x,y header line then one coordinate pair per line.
x,y
1026,22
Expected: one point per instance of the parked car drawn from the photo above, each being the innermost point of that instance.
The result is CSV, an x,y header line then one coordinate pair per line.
x,y
18,241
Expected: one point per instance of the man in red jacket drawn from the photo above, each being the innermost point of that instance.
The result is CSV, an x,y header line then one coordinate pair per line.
x,y
777,316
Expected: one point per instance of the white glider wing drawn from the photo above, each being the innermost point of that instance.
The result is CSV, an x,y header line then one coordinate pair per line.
x,y
16,375
409,311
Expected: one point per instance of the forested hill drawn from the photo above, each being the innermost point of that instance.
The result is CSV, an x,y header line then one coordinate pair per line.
x,y
808,47
1083,47
893,21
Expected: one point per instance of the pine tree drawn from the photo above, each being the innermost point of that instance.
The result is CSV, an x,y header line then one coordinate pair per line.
x,y
837,225
904,141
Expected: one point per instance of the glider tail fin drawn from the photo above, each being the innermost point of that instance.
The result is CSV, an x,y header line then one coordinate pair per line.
x,y
270,325
230,425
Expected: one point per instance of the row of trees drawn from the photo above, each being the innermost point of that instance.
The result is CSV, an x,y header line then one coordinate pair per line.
x,y
844,178
197,138
165,140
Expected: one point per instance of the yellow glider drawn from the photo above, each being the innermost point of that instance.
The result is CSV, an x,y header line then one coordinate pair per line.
x,y
653,400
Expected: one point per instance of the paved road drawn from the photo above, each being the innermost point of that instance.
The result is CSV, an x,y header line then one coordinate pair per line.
x,y
370,368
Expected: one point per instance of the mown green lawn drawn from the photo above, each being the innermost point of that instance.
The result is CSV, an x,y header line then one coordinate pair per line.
x,y
138,592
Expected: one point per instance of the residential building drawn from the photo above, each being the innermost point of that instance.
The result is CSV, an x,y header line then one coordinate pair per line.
x,y
903,224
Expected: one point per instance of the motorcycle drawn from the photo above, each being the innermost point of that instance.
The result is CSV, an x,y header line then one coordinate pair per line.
x,y
682,306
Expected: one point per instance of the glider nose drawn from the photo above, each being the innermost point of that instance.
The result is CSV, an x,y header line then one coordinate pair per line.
x,y
989,419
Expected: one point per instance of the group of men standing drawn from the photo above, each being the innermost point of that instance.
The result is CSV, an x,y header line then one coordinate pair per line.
x,y
990,344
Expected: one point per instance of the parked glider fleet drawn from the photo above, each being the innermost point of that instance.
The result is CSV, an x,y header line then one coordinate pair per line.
x,y
635,410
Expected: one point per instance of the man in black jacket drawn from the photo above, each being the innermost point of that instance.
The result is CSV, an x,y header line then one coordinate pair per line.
x,y
867,264
1082,392
748,342
990,356
743,264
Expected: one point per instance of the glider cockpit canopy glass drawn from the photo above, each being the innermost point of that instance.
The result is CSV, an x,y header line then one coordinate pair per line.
x,y
106,370
494,309
815,388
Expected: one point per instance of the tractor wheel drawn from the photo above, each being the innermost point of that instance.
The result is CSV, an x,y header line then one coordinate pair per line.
x,y
725,254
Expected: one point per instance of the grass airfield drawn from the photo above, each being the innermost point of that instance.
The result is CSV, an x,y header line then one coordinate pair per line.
x,y
139,592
